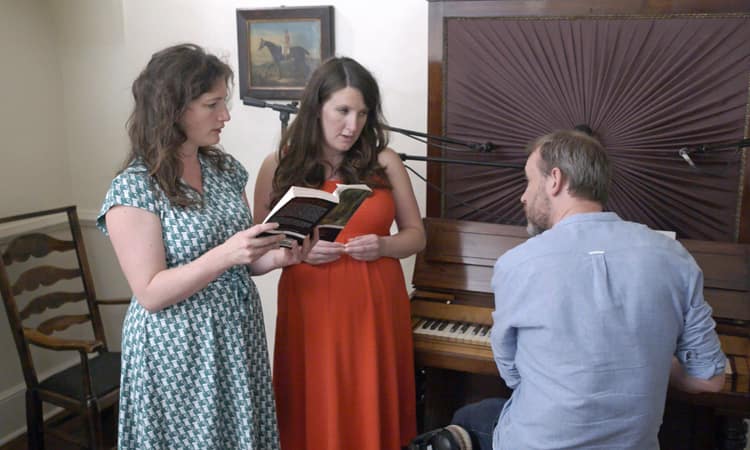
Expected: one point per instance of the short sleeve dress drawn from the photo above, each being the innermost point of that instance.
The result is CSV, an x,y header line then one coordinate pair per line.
x,y
195,375
343,359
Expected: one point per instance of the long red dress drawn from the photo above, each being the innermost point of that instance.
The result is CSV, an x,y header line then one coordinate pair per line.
x,y
343,359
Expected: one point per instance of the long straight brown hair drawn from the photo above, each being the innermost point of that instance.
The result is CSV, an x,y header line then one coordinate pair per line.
x,y
301,161
172,79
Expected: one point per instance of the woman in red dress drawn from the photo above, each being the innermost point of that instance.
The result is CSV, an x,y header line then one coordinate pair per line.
x,y
343,360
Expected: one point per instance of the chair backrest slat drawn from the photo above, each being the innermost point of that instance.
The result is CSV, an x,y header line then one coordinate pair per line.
x,y
34,244
55,259
46,286
42,276
60,323
52,300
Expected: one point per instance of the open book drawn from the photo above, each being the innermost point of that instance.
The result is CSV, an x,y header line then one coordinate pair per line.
x,y
301,209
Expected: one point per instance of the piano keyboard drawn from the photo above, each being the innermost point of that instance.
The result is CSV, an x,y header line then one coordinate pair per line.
x,y
452,331
450,336
444,331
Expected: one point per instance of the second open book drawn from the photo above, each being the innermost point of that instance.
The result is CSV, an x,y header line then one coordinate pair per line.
x,y
301,209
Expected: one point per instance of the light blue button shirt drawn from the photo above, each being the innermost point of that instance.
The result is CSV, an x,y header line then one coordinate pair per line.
x,y
587,317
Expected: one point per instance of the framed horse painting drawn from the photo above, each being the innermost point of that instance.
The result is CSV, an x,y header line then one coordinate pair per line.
x,y
279,48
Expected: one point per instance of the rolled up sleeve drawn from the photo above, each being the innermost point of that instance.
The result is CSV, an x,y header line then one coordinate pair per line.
x,y
698,348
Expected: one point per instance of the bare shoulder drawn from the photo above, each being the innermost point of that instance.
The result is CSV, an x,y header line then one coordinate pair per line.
x,y
271,161
268,167
389,159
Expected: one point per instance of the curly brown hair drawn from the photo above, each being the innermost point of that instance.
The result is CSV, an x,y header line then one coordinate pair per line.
x,y
172,79
301,161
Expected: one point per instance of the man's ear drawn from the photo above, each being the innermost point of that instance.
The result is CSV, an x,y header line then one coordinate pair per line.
x,y
555,182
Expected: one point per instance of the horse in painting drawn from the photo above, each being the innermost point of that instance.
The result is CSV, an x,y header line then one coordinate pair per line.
x,y
297,55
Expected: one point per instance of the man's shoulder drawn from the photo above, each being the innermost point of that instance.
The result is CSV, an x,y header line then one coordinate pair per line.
x,y
519,255
638,235
605,231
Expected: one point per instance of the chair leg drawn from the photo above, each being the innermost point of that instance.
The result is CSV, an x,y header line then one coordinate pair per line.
x,y
93,421
34,420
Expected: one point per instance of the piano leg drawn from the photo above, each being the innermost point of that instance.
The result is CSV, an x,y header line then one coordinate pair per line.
x,y
442,391
731,433
687,426
420,375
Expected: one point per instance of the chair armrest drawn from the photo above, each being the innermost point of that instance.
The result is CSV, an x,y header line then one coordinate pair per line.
x,y
113,301
56,343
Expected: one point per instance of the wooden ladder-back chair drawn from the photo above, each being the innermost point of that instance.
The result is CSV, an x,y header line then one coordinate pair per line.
x,y
33,289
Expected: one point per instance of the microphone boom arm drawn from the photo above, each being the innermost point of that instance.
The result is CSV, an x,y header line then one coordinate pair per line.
x,y
485,147
719,146
405,157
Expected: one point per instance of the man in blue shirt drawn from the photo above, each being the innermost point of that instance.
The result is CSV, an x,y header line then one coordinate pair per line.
x,y
594,316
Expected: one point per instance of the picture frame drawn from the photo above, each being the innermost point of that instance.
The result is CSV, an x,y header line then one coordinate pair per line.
x,y
279,48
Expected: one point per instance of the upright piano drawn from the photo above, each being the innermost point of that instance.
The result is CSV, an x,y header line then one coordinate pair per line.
x,y
452,304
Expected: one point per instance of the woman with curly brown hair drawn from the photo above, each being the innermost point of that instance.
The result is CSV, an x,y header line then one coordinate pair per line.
x,y
343,364
195,371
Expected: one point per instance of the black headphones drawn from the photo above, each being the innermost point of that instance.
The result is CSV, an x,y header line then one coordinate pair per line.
x,y
441,439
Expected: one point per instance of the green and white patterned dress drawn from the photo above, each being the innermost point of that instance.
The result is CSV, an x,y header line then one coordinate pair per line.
x,y
195,375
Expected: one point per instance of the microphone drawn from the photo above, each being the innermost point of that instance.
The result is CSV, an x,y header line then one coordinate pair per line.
x,y
486,147
249,101
683,152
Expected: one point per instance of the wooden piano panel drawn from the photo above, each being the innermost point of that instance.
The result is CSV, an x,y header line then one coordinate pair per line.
x,y
726,279
462,257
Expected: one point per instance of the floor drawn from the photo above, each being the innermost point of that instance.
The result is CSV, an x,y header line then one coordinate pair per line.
x,y
110,436
72,426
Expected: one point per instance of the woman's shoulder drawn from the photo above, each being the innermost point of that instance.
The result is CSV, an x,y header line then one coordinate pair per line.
x,y
270,162
225,166
388,156
135,167
135,179
136,171
228,161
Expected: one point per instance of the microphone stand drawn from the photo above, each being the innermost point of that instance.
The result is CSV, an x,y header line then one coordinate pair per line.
x,y
291,108
685,152
486,147
719,146
405,157
283,110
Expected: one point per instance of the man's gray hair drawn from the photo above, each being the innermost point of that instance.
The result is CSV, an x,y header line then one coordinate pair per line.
x,y
582,160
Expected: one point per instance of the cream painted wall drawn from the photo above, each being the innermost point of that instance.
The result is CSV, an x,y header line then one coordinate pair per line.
x,y
34,170
69,92
105,47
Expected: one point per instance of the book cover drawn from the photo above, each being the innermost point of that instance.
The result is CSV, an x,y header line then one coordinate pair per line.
x,y
350,198
301,209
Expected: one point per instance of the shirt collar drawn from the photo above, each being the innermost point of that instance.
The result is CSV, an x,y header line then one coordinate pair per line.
x,y
589,217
